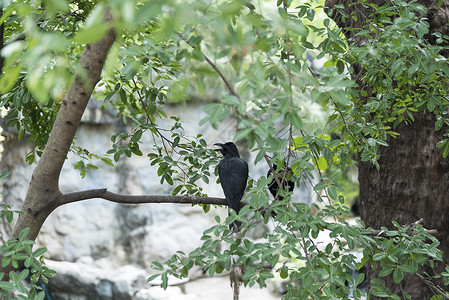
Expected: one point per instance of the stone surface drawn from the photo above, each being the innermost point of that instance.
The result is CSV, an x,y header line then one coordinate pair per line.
x,y
85,281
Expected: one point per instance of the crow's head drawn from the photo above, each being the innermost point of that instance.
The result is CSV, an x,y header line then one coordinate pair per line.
x,y
228,149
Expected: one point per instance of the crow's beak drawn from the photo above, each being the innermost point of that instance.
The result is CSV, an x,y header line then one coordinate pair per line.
x,y
219,145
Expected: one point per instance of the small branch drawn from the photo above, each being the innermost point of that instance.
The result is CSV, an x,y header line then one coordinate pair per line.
x,y
214,66
410,231
305,249
137,199
416,224
383,232
432,287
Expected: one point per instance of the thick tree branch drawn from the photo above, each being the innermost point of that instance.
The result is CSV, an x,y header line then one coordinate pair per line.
x,y
137,199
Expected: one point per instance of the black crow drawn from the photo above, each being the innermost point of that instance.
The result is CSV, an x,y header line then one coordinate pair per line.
x,y
233,174
287,184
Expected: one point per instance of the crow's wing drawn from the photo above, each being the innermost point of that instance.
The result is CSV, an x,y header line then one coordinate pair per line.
x,y
233,173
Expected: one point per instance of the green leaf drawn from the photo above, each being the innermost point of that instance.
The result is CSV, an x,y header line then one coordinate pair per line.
x,y
152,277
39,252
23,275
379,292
122,94
446,150
211,270
438,124
136,150
13,276
157,266
23,233
206,208
6,261
386,270
198,55
381,142
40,296
7,11
441,143
296,121
6,286
11,74
91,34
53,6
177,190
136,136
340,66
398,276
91,166
319,186
332,193
283,273
321,163
5,174
9,216
107,161
360,278
164,283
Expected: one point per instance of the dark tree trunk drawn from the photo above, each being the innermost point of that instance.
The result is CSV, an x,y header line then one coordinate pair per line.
x,y
413,178
411,184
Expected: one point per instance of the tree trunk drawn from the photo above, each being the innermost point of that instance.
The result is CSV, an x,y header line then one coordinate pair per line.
x,y
413,177
411,184
43,193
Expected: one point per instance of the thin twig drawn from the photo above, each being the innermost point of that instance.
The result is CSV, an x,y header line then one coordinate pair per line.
x,y
431,286
383,232
214,66
410,231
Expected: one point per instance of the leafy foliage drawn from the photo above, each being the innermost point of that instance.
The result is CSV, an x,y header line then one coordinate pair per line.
x,y
265,55
399,74
28,269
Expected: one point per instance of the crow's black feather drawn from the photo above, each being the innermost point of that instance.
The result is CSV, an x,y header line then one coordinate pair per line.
x,y
233,174
287,184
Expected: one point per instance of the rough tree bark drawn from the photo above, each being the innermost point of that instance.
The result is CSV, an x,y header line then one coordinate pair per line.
x,y
413,177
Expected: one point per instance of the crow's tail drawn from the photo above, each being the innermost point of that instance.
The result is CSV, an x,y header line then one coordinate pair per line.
x,y
235,205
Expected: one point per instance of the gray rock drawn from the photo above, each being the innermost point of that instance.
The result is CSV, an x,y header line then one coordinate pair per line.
x,y
87,281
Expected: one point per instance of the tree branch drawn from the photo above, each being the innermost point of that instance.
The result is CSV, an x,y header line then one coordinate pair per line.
x,y
136,199
214,66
